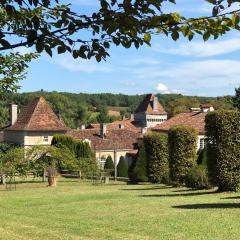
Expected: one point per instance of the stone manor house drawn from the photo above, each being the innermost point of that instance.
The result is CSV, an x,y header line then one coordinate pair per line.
x,y
36,124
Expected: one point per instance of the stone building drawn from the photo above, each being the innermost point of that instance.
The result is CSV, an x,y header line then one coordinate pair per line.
x,y
35,125
194,119
150,112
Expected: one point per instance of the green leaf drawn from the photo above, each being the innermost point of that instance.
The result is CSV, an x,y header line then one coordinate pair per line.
x,y
61,49
206,35
175,35
147,37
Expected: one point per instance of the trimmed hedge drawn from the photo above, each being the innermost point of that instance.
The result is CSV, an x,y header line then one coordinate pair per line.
x,y
60,140
182,141
109,163
223,149
122,169
140,173
197,177
157,155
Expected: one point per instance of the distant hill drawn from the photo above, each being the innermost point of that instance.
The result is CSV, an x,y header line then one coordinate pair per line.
x,y
82,108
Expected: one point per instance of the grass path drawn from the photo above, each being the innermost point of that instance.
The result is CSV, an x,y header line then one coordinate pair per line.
x,y
76,210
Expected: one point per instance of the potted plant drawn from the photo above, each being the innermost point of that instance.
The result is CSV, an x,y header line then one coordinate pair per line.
x,y
52,175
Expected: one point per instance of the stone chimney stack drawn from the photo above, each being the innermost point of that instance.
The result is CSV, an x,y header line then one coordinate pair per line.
x,y
13,113
155,103
121,126
103,130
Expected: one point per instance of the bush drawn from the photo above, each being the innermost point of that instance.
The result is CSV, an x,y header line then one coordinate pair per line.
x,y
62,140
182,152
122,169
83,150
202,157
223,149
109,163
157,155
197,177
140,173
88,167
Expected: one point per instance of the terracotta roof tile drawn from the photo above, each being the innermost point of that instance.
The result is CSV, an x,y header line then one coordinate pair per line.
x,y
38,116
146,106
115,138
192,119
127,123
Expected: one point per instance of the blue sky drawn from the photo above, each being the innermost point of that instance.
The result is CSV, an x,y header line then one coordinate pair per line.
x,y
192,68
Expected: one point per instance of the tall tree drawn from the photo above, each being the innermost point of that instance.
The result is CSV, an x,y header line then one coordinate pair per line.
x,y
13,68
236,98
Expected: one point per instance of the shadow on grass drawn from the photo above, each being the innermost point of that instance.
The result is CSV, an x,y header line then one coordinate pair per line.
x,y
144,189
209,206
236,197
179,195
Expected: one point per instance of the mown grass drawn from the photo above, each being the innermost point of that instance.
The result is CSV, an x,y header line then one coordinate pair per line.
x,y
80,210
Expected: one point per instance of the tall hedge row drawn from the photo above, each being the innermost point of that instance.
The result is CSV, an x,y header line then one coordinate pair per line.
x,y
156,146
140,171
182,142
223,149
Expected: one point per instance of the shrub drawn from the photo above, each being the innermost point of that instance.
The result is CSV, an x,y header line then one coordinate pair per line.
x,y
197,177
109,163
202,157
83,150
62,140
88,167
140,173
122,170
157,155
223,149
182,152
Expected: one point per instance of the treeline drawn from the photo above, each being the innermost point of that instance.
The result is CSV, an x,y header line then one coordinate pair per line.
x,y
83,108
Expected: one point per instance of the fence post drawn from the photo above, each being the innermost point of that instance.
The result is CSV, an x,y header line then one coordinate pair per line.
x,y
3,179
44,172
79,174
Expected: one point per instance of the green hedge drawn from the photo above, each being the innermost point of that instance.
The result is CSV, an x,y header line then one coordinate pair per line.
x,y
197,177
140,172
60,140
157,155
122,169
109,163
223,149
182,141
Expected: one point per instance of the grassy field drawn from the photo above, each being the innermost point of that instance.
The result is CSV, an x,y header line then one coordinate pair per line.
x,y
77,210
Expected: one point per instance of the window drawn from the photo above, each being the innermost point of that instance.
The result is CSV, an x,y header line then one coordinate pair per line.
x,y
202,143
45,138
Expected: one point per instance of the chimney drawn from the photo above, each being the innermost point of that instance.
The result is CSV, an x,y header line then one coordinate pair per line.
x,y
155,103
121,126
13,113
132,117
83,127
103,130
123,117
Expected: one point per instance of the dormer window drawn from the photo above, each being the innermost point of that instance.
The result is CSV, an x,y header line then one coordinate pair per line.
x,y
45,138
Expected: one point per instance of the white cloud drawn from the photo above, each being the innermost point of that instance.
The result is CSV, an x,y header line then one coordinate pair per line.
x,y
209,76
162,88
78,65
202,49
23,50
142,61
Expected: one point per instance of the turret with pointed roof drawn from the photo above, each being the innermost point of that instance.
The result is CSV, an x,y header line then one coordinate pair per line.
x,y
35,125
150,112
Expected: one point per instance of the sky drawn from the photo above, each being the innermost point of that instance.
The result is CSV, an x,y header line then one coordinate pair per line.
x,y
191,68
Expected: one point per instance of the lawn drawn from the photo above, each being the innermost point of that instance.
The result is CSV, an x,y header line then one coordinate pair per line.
x,y
80,210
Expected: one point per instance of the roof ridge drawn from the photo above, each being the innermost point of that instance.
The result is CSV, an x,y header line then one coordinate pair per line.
x,y
37,99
